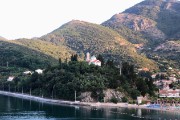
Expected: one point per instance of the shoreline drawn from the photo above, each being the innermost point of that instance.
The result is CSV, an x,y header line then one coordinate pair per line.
x,y
77,103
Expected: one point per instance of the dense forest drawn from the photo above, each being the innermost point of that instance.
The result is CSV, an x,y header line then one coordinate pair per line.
x,y
62,80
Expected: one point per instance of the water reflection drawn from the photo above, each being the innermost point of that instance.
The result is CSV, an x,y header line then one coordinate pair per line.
x,y
139,112
19,109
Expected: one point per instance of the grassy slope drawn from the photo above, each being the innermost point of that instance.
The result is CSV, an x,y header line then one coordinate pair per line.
x,y
23,57
96,39
48,48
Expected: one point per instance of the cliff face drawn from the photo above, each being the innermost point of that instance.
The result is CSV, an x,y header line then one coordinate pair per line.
x,y
153,20
108,95
145,27
150,23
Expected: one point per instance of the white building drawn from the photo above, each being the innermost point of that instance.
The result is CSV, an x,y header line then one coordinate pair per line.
x,y
27,73
92,60
10,78
39,71
139,100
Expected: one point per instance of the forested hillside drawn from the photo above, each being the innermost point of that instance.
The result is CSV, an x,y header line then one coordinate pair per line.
x,y
62,80
14,55
47,48
85,37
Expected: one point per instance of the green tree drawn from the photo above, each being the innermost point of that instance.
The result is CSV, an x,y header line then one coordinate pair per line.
x,y
142,86
100,57
74,57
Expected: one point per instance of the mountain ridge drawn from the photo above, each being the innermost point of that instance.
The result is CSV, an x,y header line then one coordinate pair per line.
x,y
128,36
85,37
150,23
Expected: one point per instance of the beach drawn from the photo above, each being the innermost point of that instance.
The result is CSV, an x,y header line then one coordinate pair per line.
x,y
78,103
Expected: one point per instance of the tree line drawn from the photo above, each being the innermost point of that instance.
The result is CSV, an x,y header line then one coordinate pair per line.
x,y
62,80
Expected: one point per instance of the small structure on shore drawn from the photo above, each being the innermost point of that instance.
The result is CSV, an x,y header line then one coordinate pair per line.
x,y
139,100
92,60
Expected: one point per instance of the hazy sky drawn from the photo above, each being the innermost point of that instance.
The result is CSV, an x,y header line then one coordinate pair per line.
x,y
34,18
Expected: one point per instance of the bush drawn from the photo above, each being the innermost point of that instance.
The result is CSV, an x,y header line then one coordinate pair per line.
x,y
114,100
143,102
134,94
124,99
132,102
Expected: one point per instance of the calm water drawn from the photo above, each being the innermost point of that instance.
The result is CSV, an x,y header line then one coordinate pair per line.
x,y
18,109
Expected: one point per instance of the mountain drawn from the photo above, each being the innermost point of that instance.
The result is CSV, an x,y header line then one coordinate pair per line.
x,y
137,29
85,37
18,56
164,12
155,21
150,24
128,36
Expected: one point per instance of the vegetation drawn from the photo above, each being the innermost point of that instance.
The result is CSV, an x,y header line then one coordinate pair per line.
x,y
62,80
17,56
124,99
114,100
47,48
151,23
85,37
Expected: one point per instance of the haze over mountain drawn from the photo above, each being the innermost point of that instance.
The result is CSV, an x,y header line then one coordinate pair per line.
x,y
2,38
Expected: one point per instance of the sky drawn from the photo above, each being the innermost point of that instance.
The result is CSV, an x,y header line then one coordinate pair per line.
x,y
35,18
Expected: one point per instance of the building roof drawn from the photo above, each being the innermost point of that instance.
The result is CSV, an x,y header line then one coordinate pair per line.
x,y
10,78
169,91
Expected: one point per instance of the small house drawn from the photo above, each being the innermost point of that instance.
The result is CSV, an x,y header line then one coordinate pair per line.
x,y
10,78
27,73
39,71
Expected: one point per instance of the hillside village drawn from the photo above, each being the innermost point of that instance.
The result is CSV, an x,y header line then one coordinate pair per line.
x,y
168,85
